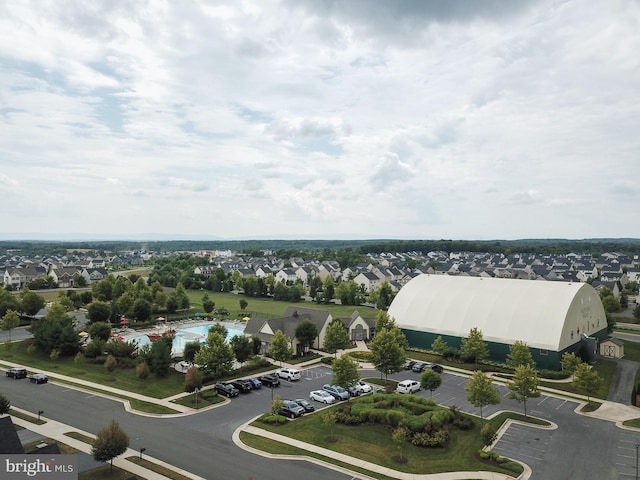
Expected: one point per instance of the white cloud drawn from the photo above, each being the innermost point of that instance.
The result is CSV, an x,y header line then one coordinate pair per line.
x,y
432,119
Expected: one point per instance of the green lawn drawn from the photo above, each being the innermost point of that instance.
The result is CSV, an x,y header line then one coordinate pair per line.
x,y
605,369
125,379
373,443
269,307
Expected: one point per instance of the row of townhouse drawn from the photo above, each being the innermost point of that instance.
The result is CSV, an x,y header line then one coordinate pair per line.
x,y
611,269
18,278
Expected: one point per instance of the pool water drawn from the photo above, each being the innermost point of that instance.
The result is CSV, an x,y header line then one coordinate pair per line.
x,y
197,333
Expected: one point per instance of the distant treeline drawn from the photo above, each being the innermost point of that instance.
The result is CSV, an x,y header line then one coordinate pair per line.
x,y
289,248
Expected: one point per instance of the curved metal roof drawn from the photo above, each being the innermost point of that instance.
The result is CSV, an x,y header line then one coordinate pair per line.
x,y
546,315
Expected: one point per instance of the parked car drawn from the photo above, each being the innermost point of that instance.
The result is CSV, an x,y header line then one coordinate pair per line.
x,y
408,386
308,407
17,372
255,383
244,386
354,391
435,367
322,397
419,366
364,387
269,381
291,409
338,392
226,389
409,364
290,374
38,378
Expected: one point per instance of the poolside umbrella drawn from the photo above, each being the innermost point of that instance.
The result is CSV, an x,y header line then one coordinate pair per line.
x,y
111,334
198,314
162,319
83,334
120,338
246,319
124,321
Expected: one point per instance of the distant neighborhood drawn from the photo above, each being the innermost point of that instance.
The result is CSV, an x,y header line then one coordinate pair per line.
x,y
612,270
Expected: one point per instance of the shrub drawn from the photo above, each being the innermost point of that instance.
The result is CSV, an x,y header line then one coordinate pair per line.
x,y
327,360
555,375
120,349
273,419
142,370
438,438
462,422
94,348
484,455
79,358
110,363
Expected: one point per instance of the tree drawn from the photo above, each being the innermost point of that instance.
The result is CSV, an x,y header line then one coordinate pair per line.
x,y
488,434
5,405
110,442
276,405
384,321
611,304
142,310
388,352
385,296
159,357
329,419
31,302
570,362
636,312
192,379
56,331
219,328
306,332
280,349
336,337
216,357
99,311
345,371
241,347
189,351
207,303
399,437
524,385
439,345
430,380
587,381
10,321
100,330
519,354
243,304
474,346
8,301
481,391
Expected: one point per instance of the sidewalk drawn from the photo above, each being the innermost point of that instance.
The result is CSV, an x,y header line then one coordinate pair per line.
x,y
57,430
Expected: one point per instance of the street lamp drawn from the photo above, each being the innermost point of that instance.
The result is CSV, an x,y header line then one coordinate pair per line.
x,y
195,391
637,448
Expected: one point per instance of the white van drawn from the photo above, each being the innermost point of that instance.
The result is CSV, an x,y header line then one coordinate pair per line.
x,y
408,386
290,374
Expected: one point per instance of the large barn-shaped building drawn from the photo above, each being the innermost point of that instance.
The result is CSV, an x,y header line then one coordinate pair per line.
x,y
551,317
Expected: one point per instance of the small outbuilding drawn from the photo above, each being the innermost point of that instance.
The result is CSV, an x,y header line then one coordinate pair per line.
x,y
612,348
551,317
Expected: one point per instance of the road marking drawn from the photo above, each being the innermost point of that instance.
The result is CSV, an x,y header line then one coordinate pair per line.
x,y
543,400
558,407
90,396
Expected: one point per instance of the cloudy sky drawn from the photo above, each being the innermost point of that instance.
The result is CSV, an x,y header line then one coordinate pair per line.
x,y
457,119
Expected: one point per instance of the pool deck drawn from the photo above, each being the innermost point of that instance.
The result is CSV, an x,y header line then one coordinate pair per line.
x,y
174,327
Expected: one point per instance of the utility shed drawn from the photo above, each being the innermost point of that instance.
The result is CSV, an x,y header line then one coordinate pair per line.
x,y
612,348
551,317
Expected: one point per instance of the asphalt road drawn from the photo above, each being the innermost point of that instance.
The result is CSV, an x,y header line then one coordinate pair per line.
x,y
581,447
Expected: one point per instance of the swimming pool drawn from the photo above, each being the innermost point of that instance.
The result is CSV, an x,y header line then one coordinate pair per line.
x,y
197,333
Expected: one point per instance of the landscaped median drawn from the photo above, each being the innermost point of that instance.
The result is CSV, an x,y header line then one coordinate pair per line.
x,y
437,439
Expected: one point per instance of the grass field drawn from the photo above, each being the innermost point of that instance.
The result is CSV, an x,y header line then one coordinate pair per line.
x,y
269,307
373,443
